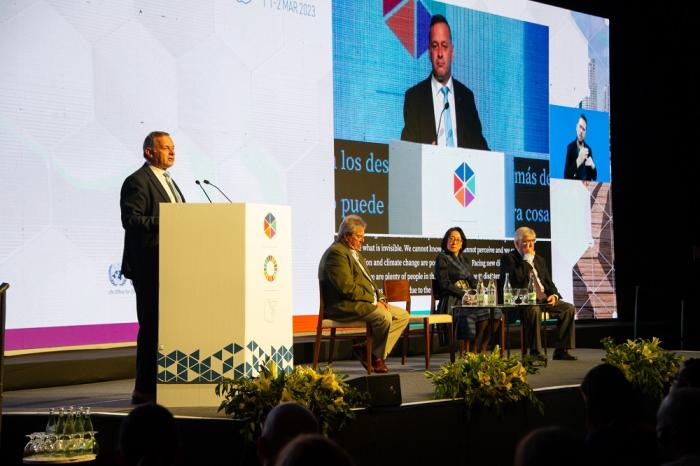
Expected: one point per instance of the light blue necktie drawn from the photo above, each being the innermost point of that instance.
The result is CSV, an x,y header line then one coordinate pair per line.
x,y
449,139
171,185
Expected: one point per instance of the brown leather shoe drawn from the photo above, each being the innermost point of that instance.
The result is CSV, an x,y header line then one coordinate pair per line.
x,y
379,366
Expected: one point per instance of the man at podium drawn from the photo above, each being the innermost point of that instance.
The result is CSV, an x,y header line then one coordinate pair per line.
x,y
441,110
349,293
141,195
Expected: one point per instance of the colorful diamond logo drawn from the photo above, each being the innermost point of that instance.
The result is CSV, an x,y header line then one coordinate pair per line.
x,y
270,225
464,184
410,23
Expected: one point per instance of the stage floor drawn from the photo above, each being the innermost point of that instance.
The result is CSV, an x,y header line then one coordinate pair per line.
x,y
114,396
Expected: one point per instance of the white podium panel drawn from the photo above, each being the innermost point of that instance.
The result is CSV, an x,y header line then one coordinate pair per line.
x,y
433,188
225,296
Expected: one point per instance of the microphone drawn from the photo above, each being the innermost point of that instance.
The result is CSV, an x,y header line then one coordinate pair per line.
x,y
218,189
202,188
446,107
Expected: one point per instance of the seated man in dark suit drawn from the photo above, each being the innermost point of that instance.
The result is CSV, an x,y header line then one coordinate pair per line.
x,y
518,264
441,110
350,294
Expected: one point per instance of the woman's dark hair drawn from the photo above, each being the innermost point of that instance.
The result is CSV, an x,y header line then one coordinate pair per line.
x,y
447,236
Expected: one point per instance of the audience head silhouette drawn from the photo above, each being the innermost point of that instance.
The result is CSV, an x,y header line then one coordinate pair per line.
x,y
149,436
677,426
549,446
608,395
283,424
689,375
313,450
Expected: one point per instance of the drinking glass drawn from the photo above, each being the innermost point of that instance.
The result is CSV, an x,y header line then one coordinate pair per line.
x,y
469,298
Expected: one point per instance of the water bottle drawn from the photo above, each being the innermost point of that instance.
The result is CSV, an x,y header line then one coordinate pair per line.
x,y
52,422
492,293
531,292
507,291
87,420
70,433
63,438
91,445
481,297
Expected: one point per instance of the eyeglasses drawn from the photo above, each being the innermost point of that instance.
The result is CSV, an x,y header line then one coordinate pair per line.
x,y
528,241
454,240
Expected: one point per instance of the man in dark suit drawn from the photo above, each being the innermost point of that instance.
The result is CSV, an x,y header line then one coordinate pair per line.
x,y
441,110
141,195
579,155
349,293
519,264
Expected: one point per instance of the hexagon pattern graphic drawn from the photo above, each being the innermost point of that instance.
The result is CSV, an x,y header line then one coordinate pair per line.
x,y
106,74
464,184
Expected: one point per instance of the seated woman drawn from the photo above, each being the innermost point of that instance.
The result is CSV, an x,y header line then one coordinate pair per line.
x,y
453,275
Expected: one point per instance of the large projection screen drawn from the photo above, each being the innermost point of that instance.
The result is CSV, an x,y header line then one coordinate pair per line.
x,y
280,102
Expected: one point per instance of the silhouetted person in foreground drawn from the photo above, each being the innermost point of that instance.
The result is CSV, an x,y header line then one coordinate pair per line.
x,y
549,446
285,422
149,436
688,375
617,433
678,427
313,450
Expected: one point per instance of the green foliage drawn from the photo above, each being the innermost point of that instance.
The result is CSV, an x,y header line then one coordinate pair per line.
x,y
645,364
324,393
484,379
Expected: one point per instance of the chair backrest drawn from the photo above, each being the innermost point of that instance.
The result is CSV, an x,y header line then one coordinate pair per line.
x,y
398,291
434,290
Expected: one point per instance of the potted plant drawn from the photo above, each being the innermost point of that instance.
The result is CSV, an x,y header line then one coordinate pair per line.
x,y
485,379
646,365
324,393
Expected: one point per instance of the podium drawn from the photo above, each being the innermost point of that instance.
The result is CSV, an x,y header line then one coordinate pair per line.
x,y
433,188
225,297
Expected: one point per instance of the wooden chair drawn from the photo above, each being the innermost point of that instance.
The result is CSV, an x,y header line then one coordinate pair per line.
x,y
333,325
399,291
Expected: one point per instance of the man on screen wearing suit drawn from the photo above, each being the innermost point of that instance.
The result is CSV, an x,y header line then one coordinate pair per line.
x,y
349,293
579,155
518,264
141,195
441,110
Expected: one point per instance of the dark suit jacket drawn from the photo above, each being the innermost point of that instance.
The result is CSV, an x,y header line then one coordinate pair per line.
x,y
583,172
519,272
419,117
347,293
141,195
447,274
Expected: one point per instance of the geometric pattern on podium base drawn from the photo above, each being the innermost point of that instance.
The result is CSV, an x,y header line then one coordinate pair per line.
x,y
231,362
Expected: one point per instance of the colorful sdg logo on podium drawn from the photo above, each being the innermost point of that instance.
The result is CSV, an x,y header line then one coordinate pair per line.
x,y
270,268
270,265
410,23
464,184
270,225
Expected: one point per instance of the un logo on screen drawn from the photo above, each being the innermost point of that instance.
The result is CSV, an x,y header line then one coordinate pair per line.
x,y
464,184
410,24
115,275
